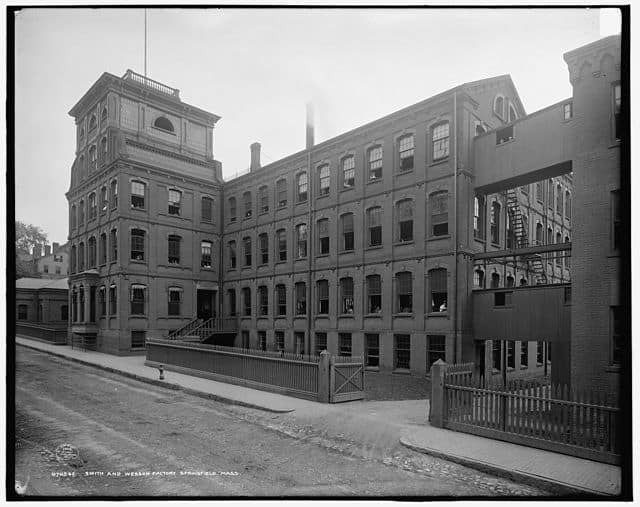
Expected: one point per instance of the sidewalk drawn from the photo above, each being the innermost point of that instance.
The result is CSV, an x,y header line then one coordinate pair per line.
x,y
379,426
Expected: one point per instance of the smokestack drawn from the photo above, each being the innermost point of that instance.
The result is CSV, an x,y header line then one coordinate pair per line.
x,y
309,125
47,249
56,247
255,157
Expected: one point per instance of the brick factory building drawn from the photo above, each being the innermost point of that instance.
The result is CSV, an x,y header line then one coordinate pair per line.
x,y
385,241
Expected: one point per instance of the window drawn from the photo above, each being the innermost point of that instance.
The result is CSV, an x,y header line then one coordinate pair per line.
x,y
281,300
502,298
262,340
263,300
404,211
498,106
175,297
138,339
92,252
81,303
46,268
58,270
231,298
346,222
617,111
246,340
616,221
550,193
372,350
348,172
323,236
438,287
281,237
375,163
439,214
404,292
401,351
64,312
344,344
206,209
323,297
23,312
524,354
205,254
174,249
114,194
567,110
163,123
567,259
73,259
539,353
298,337
495,280
619,342
302,187
524,189
74,305
263,199
559,200
539,238
281,192
263,240
81,257
103,115
346,296
511,354
539,191
559,254
103,149
549,236
114,244
93,206
513,115
405,153
321,342
232,209
440,141
496,355
279,339
301,298
246,245
137,194
175,197
93,157
138,299
478,278
103,248
324,179
567,205
137,244
436,347
495,223
374,226
246,301
113,300
374,294
301,240
74,217
104,201
511,281
479,216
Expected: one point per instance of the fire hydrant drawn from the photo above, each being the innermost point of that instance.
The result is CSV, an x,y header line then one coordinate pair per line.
x,y
161,369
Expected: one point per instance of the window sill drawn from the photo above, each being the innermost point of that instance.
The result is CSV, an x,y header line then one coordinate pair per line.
x,y
301,259
374,247
133,261
281,207
402,173
322,316
323,196
262,213
346,251
401,371
280,262
616,144
498,307
438,314
439,161
404,315
302,202
300,317
205,268
375,180
506,142
372,368
174,317
523,367
232,222
346,189
322,255
438,238
245,317
280,317
262,317
373,315
135,208
346,316
244,219
263,265
402,243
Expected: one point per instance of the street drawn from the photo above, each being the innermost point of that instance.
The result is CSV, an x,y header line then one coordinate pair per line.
x,y
84,431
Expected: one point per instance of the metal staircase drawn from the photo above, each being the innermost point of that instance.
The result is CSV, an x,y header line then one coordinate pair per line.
x,y
521,236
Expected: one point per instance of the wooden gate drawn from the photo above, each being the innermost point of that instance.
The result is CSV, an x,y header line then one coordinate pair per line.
x,y
346,379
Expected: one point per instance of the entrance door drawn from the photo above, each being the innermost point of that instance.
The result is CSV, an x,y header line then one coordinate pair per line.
x,y
206,304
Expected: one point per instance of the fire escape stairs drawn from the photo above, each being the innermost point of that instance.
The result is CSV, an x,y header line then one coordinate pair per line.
x,y
520,235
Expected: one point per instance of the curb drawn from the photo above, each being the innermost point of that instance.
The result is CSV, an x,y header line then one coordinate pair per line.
x,y
557,487
159,383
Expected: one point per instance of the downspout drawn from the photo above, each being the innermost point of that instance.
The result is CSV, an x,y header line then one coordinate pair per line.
x,y
310,252
455,227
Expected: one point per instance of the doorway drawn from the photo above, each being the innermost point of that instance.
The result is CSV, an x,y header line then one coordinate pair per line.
x,y
206,304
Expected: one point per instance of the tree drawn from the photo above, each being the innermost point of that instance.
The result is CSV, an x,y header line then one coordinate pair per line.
x,y
27,237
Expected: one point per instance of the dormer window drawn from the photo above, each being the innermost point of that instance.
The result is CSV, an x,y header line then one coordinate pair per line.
x,y
498,106
93,122
163,123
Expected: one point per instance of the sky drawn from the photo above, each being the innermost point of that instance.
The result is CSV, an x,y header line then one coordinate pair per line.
x,y
257,68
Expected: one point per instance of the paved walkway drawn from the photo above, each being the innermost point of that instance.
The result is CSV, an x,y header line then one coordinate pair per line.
x,y
381,423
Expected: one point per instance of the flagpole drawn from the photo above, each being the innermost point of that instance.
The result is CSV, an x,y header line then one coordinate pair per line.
x,y
145,43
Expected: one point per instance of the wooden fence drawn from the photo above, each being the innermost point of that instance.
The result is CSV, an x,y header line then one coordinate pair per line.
x,y
56,335
297,375
571,421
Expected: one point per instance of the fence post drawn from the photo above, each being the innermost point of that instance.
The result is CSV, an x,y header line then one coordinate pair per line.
x,y
436,404
323,376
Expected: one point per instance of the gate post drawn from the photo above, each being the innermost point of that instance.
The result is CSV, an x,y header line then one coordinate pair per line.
x,y
323,376
436,404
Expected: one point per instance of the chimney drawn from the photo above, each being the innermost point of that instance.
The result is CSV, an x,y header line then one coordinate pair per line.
x,y
309,125
47,249
37,251
56,247
255,157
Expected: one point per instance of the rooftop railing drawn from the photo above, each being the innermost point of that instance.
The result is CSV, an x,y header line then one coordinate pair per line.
x,y
150,83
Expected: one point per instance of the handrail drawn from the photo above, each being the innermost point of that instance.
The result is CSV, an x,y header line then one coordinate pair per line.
x,y
151,83
175,333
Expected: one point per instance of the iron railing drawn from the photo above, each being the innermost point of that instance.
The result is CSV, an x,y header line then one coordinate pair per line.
x,y
52,334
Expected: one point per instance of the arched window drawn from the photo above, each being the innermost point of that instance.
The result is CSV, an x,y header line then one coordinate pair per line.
x,y
498,106
438,289
323,236
374,294
549,236
374,226
231,298
205,254
103,248
74,218
301,298
559,254
174,249
495,280
324,179
137,194
440,141
93,122
281,300
81,212
114,244
523,282
263,244
559,200
301,240
138,298
479,216
137,244
281,245
246,301
93,206
246,245
102,300
513,115
567,259
439,214
81,303
92,157
405,153
567,205
348,172
550,193
113,300
232,209
174,301
346,224
81,257
232,254
281,192
263,199
73,259
404,292
478,278
346,296
206,209
495,223
510,281
301,182
163,123
114,194
248,205
375,163
263,300
104,200
404,217
103,146
323,297
174,201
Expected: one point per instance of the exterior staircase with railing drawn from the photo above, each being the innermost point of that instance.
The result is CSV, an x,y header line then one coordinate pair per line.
x,y
199,330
